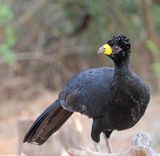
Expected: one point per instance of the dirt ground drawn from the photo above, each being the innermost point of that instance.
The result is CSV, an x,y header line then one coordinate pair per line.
x,y
13,110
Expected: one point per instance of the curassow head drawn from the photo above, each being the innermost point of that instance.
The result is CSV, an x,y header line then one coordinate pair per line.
x,y
118,48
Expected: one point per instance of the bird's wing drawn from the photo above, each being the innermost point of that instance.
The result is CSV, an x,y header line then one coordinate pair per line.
x,y
88,92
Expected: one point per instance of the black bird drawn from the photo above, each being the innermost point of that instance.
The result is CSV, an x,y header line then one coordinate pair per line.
x,y
115,98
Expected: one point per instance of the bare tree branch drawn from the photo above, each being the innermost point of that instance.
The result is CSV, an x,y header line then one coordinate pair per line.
x,y
27,15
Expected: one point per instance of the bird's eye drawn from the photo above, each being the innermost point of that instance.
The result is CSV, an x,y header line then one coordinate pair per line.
x,y
116,48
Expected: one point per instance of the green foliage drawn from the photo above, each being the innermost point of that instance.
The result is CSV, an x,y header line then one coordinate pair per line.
x,y
156,13
96,8
6,47
129,6
6,53
156,67
152,47
155,52
10,38
5,14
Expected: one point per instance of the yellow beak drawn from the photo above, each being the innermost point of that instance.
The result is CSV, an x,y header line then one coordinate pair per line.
x,y
105,49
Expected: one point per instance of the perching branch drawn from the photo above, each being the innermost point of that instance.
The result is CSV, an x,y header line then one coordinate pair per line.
x,y
141,147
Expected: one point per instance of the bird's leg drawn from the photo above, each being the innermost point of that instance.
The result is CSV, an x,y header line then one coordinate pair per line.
x,y
95,134
97,146
106,136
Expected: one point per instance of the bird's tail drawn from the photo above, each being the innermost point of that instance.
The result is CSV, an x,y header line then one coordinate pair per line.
x,y
47,123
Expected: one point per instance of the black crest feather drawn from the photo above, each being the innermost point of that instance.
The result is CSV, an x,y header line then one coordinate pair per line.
x,y
120,40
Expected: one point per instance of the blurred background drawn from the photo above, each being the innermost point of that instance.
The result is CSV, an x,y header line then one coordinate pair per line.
x,y
44,43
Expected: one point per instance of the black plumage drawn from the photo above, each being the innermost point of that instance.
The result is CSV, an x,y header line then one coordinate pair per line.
x,y
115,98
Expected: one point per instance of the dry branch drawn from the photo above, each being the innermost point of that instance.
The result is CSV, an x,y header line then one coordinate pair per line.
x,y
141,147
29,13
87,152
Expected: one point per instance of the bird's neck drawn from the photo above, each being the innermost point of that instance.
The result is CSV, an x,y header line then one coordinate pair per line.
x,y
121,81
122,67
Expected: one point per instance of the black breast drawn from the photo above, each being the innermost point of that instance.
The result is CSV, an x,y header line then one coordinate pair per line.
x,y
130,98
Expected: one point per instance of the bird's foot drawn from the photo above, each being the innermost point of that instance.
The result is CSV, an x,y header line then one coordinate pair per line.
x,y
97,146
108,144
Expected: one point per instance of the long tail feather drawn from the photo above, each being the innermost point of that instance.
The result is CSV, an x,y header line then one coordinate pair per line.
x,y
47,123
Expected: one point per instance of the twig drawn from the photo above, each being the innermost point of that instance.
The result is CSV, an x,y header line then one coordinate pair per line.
x,y
29,13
